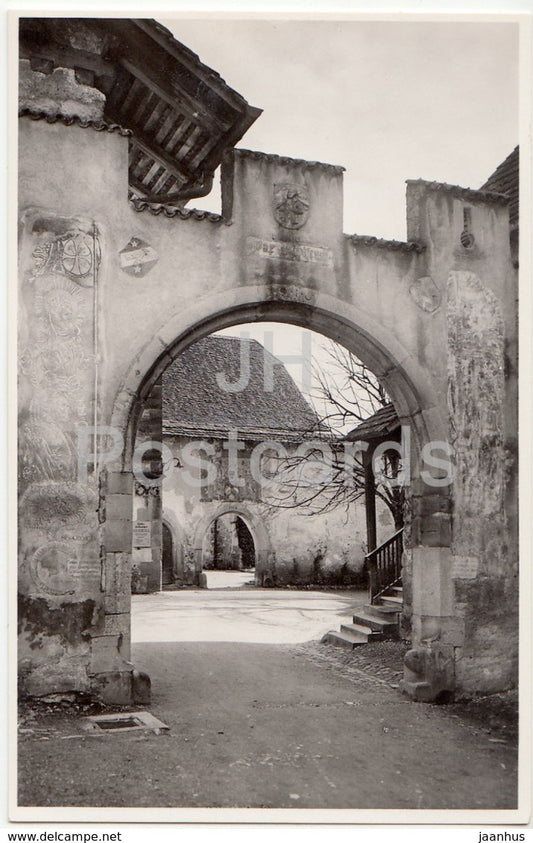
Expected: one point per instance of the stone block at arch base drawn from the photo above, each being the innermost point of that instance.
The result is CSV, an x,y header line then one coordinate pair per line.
x,y
429,674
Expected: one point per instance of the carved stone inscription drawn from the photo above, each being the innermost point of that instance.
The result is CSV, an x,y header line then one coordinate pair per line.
x,y
298,252
465,567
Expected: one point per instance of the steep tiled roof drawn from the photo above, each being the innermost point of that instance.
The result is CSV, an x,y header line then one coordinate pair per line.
x,y
171,211
194,403
182,115
505,180
382,423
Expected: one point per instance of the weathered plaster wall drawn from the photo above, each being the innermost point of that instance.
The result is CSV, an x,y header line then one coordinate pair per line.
x,y
475,580
63,572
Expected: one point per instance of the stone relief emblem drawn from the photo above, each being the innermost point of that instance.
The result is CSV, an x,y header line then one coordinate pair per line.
x,y
291,205
425,294
74,254
53,507
51,568
137,258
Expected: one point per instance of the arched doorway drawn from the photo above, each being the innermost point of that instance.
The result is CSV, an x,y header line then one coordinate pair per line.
x,y
228,552
228,544
244,543
406,382
167,556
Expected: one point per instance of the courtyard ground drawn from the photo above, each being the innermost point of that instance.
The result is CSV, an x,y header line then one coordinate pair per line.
x,y
266,716
229,579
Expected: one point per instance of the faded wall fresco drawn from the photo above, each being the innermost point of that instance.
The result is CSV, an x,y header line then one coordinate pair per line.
x,y
57,516
483,560
475,397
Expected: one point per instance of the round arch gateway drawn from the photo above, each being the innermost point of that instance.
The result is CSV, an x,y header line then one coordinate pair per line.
x,y
432,317
256,528
407,382
412,395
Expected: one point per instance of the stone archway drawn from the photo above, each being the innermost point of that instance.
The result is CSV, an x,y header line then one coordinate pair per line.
x,y
399,306
255,525
427,556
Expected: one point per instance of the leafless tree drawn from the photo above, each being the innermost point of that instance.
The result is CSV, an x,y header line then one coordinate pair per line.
x,y
327,472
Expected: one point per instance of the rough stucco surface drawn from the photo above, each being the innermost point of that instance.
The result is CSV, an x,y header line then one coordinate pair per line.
x,y
483,559
59,93
60,559
204,275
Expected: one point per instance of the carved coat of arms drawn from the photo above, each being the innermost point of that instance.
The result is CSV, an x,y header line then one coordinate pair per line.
x,y
291,205
75,254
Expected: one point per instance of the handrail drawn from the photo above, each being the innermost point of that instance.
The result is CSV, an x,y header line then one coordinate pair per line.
x,y
384,565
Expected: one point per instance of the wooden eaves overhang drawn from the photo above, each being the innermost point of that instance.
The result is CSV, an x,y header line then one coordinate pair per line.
x,y
181,113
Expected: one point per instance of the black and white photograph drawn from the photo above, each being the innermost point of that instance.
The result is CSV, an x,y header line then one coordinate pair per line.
x,y
266,278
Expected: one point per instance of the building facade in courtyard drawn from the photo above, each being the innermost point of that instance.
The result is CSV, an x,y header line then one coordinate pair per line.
x,y
214,394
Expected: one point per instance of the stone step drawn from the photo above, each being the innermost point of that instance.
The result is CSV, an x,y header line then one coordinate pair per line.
x,y
390,600
396,590
338,639
379,611
385,625
359,631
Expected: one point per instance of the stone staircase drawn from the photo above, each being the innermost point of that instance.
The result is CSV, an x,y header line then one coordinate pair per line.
x,y
374,622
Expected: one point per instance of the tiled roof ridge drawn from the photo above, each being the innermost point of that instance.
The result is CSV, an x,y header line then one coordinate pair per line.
x,y
501,168
463,192
380,243
284,159
171,211
74,120
505,179
221,431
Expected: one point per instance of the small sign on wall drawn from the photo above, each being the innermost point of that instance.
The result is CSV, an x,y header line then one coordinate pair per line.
x,y
465,567
142,534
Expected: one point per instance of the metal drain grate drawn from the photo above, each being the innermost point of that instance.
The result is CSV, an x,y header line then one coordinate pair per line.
x,y
127,721
121,723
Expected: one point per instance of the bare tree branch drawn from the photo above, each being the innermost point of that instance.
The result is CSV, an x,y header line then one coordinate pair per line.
x,y
347,393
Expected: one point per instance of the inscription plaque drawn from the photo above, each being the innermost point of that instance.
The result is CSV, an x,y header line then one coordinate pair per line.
x,y
297,252
142,533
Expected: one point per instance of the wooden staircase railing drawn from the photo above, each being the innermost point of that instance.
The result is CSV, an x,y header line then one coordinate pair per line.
x,y
384,565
